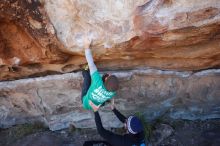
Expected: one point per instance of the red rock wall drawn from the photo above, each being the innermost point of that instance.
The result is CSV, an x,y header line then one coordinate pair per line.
x,y
43,37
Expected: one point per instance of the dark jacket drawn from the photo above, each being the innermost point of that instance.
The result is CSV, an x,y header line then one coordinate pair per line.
x,y
115,139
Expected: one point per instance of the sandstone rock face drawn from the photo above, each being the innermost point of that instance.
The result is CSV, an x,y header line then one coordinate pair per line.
x,y
175,38
28,44
164,34
55,100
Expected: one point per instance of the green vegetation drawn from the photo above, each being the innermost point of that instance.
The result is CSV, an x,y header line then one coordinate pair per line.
x,y
72,129
12,134
26,129
148,127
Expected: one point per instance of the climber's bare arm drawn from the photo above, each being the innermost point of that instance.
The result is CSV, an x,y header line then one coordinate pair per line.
x,y
92,66
89,58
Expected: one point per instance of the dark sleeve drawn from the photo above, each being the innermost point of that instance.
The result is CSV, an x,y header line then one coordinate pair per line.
x,y
121,117
114,139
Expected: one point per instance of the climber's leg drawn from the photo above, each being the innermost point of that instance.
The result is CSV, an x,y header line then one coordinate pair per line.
x,y
86,83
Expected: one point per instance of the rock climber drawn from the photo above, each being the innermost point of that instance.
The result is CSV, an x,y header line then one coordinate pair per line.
x,y
96,88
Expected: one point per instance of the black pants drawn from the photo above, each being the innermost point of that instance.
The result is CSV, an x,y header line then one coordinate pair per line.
x,y
86,83
97,143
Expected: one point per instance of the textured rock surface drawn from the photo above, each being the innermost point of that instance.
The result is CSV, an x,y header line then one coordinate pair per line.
x,y
165,34
55,99
192,133
41,37
28,44
161,132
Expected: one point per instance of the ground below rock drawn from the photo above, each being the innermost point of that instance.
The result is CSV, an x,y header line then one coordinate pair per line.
x,y
184,133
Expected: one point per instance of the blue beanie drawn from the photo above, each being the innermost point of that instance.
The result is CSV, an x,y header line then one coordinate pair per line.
x,y
134,125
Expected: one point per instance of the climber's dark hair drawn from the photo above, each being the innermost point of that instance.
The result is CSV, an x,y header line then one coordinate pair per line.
x,y
104,77
111,82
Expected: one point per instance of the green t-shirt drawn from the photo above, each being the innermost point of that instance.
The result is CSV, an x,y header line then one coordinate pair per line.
x,y
97,92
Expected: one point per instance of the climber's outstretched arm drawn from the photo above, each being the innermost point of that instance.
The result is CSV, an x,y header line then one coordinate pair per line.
x,y
92,66
121,117
87,43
